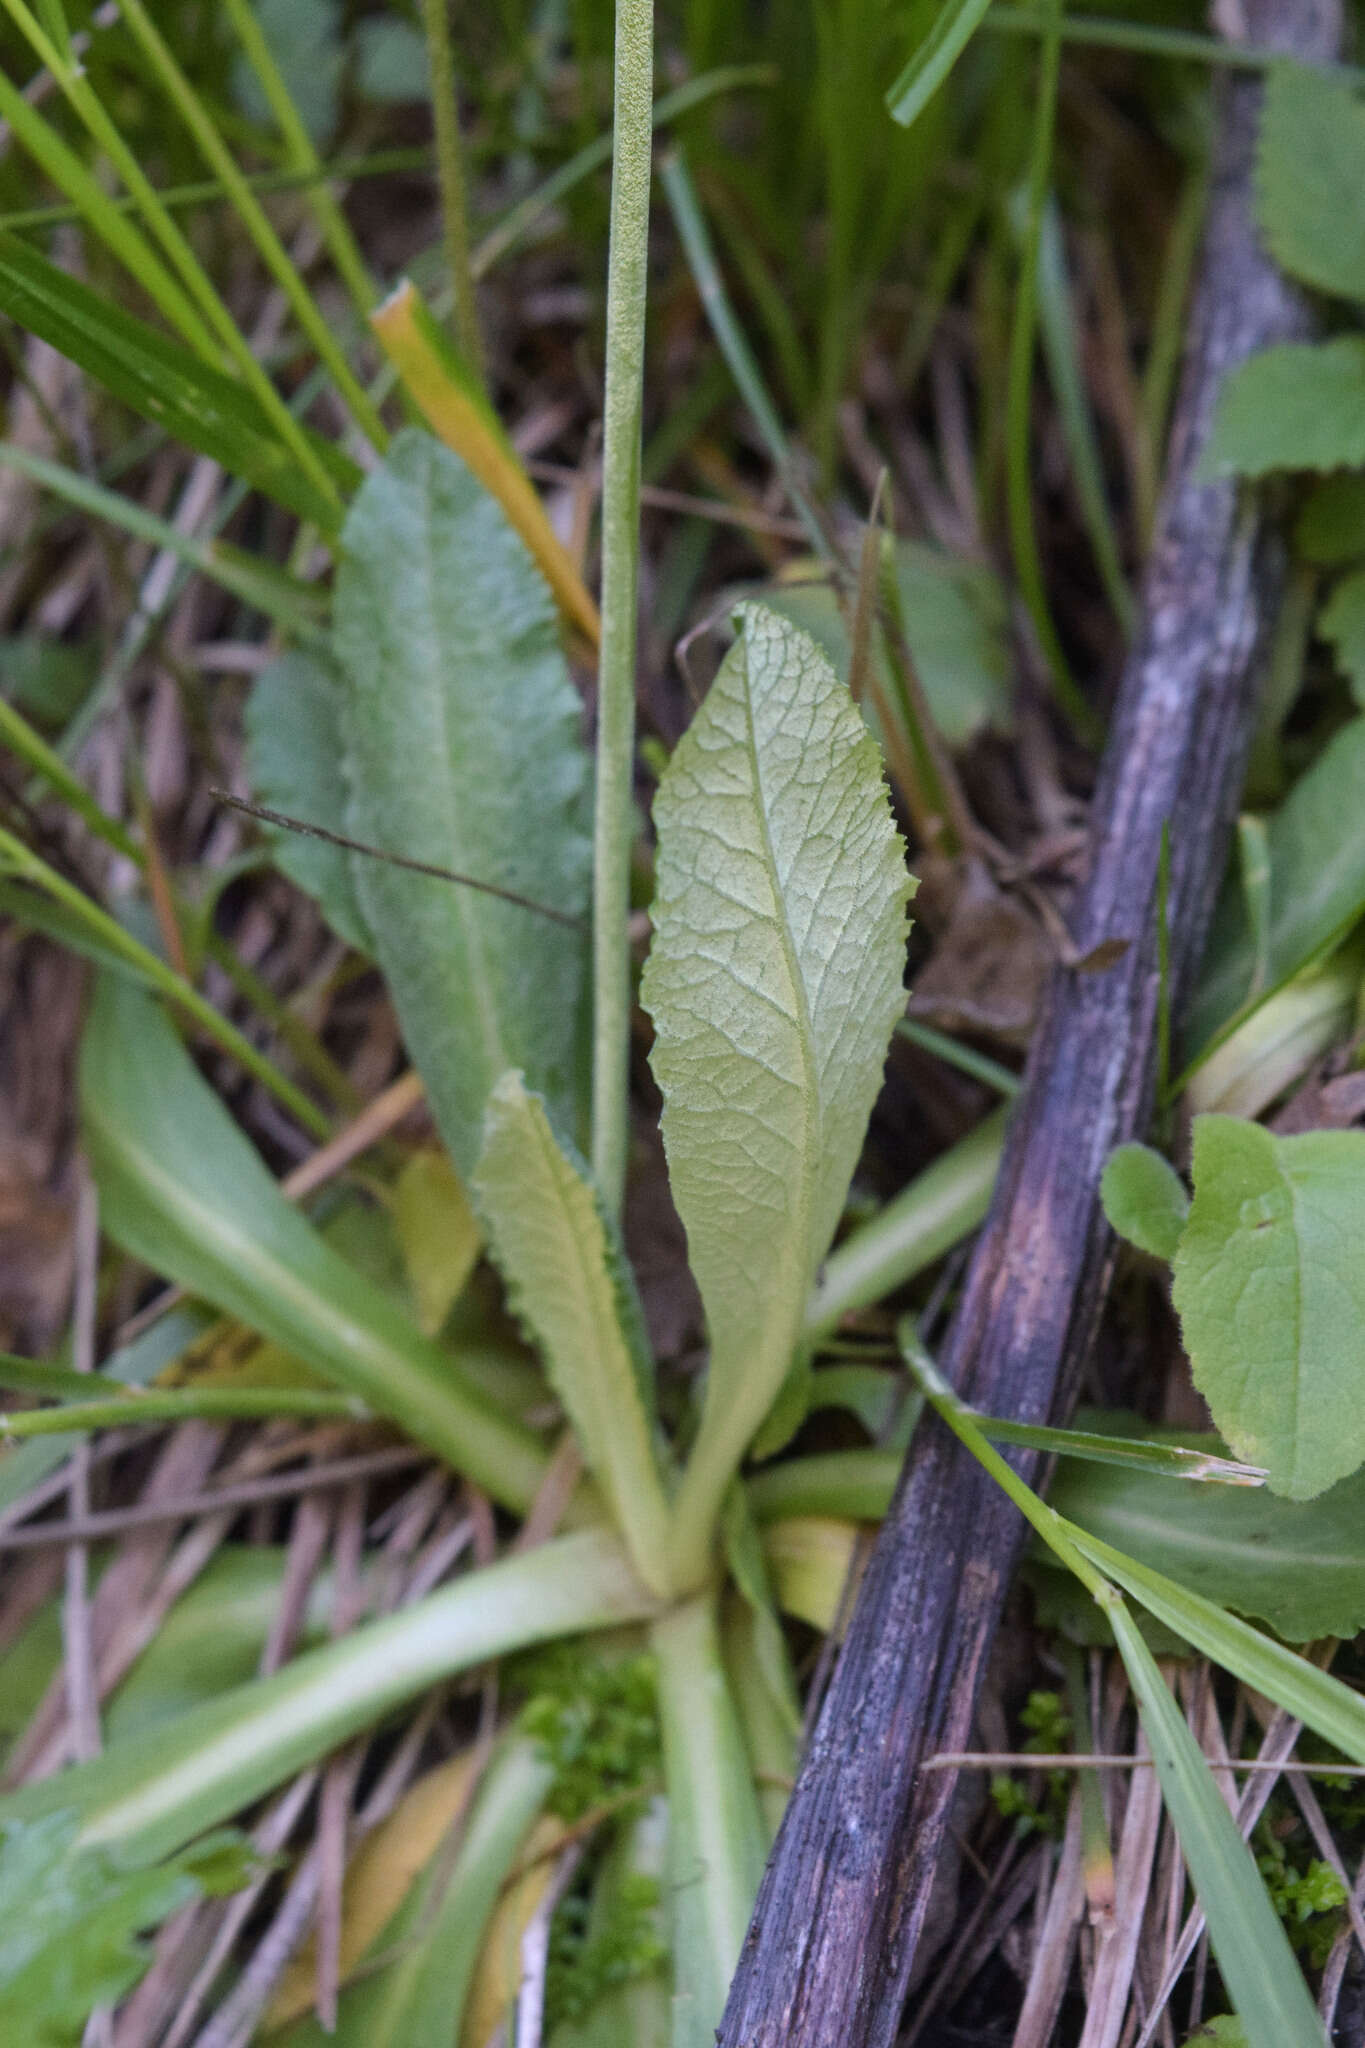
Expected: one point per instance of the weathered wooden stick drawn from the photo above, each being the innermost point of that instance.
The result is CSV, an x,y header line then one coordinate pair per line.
x,y
829,1953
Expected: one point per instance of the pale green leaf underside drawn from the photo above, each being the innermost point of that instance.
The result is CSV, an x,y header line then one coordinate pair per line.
x,y
774,980
463,748
568,1282
1270,1287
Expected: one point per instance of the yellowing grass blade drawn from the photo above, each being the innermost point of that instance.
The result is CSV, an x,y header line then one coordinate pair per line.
x,y
456,412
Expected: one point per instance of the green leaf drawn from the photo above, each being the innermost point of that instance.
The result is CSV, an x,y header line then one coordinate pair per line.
x,y
438,1234
1144,1199
568,1281
294,760
183,1190
1330,529
1317,891
956,624
1310,172
1254,1958
1300,405
390,60
1342,621
305,41
774,980
955,23
1298,1565
463,748
163,382
1271,1294
70,1918
48,679
155,1792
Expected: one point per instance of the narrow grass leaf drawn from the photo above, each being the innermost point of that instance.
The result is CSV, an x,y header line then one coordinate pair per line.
x,y
463,747
163,382
1271,1296
569,1283
955,23
774,981
154,1793
1256,1963
1331,1709
183,1190
296,765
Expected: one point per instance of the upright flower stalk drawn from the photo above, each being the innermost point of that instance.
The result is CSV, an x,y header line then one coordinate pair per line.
x,y
627,266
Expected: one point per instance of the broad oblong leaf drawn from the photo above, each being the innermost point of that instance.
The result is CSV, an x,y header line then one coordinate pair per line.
x,y
1299,405
1299,1565
568,1281
774,980
183,1190
463,748
1310,170
1270,1287
294,757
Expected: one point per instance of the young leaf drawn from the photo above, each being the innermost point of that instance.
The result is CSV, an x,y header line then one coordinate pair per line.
x,y
1144,1199
1317,891
1310,172
774,980
183,1190
1298,1565
70,1918
1254,1958
954,25
462,741
163,382
569,1283
1300,405
1271,1295
1342,621
294,759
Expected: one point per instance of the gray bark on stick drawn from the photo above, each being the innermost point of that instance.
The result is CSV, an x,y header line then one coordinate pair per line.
x,y
831,1946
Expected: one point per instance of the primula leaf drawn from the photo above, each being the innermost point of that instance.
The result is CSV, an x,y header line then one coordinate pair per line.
x,y
293,736
462,741
163,382
1300,405
1342,621
1144,1199
1317,891
774,980
438,1234
568,1281
954,25
1310,172
1271,1293
183,1190
70,1918
1299,1565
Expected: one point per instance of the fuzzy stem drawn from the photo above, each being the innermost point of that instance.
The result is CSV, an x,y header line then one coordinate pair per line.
x,y
627,267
